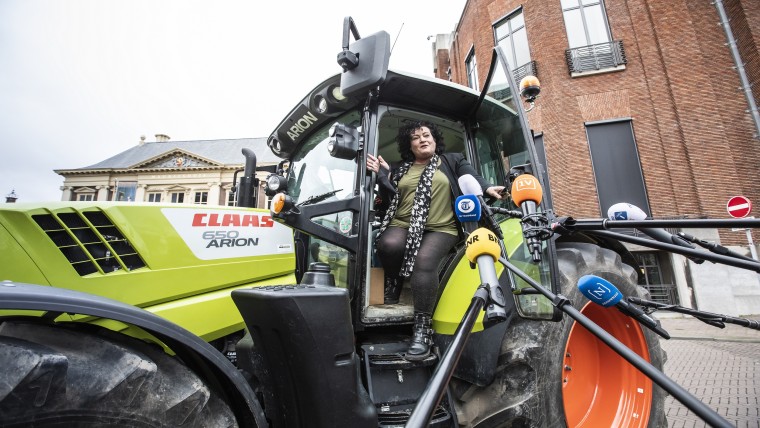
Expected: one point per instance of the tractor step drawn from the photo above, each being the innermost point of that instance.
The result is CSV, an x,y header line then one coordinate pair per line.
x,y
395,384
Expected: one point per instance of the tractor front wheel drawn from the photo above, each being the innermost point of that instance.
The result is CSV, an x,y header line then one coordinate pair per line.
x,y
554,374
55,376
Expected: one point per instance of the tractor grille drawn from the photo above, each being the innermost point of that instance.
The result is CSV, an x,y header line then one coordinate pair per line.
x,y
90,242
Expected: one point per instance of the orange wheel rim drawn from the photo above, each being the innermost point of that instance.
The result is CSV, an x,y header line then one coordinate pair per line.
x,y
599,387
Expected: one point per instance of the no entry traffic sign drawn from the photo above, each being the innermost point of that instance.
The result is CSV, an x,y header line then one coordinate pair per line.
x,y
739,207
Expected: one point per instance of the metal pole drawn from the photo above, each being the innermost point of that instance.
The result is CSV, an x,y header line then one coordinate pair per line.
x,y
699,223
432,395
752,249
716,258
739,66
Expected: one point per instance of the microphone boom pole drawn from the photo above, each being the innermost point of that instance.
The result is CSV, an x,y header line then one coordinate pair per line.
x,y
713,319
695,223
483,249
658,377
716,258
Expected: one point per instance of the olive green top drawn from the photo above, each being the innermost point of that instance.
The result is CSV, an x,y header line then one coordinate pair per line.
x,y
441,215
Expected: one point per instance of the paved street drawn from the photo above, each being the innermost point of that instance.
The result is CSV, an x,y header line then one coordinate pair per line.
x,y
721,367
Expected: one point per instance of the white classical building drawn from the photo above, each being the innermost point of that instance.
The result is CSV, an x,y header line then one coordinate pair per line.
x,y
184,172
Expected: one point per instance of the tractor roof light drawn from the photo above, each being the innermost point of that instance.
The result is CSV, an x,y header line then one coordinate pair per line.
x,y
530,87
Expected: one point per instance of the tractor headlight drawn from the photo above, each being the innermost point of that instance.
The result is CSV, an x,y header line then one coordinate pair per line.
x,y
275,183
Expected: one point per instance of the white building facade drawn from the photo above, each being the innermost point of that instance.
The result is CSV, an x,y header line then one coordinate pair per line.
x,y
183,172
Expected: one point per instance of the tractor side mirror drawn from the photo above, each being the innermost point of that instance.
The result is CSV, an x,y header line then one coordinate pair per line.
x,y
364,62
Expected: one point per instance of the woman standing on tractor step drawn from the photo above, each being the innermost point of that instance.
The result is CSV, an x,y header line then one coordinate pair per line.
x,y
419,227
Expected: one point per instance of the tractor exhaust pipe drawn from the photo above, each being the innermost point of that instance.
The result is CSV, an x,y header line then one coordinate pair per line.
x,y
249,184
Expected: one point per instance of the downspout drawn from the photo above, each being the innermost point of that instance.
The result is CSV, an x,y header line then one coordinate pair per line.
x,y
739,66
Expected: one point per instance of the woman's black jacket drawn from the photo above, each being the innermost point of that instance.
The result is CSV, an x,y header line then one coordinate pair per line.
x,y
453,165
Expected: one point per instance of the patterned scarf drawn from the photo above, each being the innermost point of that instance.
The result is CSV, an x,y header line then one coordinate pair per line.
x,y
420,211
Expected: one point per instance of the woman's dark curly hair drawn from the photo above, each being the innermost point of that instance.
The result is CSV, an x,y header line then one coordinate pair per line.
x,y
404,138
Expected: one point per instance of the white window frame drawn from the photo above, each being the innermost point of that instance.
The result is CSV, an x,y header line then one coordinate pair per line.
x,y
202,195
584,6
471,65
231,198
508,38
174,197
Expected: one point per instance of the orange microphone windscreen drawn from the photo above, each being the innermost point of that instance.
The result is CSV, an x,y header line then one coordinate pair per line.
x,y
526,188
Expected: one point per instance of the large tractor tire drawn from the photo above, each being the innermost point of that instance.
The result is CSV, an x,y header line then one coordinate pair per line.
x,y
53,376
555,374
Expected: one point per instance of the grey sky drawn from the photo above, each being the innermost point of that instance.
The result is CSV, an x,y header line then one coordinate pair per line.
x,y
81,80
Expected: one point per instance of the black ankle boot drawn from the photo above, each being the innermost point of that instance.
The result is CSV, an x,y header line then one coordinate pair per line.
x,y
422,337
393,287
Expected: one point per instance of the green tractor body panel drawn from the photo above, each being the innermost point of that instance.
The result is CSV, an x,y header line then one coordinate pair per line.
x,y
177,261
464,280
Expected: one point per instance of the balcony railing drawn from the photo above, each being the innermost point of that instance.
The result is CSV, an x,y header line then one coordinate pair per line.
x,y
525,70
505,94
596,57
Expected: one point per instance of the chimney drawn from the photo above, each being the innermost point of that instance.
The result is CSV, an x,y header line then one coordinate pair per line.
x,y
142,140
162,138
11,197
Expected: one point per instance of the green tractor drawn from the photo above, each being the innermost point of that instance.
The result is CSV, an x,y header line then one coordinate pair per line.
x,y
139,319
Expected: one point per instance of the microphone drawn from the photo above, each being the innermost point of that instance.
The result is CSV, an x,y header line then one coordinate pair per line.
x,y
470,187
483,249
527,193
602,292
467,209
626,211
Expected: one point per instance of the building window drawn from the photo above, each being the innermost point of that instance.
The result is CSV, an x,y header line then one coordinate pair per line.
x,y
231,198
154,197
125,191
616,165
585,22
201,198
511,35
86,197
656,277
472,70
177,197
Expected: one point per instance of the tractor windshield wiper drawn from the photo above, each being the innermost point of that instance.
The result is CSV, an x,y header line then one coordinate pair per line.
x,y
318,198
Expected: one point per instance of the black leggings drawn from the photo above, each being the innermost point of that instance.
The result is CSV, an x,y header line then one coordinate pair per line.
x,y
424,279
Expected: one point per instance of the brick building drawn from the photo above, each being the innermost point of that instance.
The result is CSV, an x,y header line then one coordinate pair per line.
x,y
641,102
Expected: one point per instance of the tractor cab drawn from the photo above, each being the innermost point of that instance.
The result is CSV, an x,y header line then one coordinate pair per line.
x,y
324,192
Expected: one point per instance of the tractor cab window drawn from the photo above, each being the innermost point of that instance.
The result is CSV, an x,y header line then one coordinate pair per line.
x,y
393,118
314,177
502,144
314,173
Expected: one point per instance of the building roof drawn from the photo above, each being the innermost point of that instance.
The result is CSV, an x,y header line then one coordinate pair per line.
x,y
225,152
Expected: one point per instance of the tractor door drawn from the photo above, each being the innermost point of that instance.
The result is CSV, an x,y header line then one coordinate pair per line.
x,y
390,119
325,192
